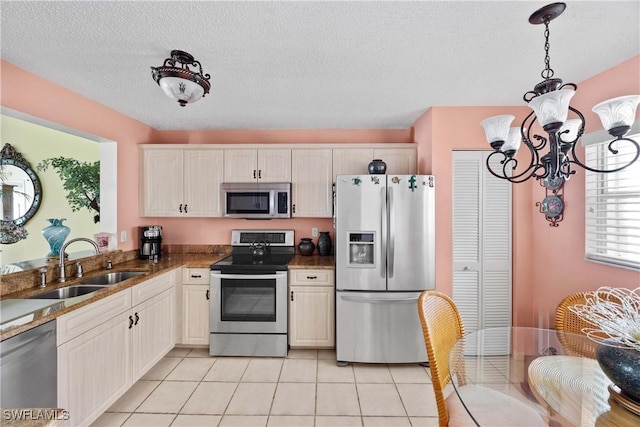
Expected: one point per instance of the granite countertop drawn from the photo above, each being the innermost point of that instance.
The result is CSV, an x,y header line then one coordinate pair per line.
x,y
312,261
20,314
34,312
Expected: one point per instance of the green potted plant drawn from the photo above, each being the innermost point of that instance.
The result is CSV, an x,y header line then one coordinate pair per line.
x,y
81,180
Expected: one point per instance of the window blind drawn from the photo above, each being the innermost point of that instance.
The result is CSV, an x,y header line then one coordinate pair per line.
x,y
612,203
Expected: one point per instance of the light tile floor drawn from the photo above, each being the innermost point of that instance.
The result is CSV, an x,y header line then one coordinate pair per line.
x,y
190,388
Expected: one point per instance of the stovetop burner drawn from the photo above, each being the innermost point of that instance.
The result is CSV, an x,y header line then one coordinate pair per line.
x,y
279,251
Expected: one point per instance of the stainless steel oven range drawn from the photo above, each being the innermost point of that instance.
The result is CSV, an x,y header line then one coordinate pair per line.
x,y
249,295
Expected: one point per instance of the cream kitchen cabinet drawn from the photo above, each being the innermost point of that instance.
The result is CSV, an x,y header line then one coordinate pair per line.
x,y
311,183
354,161
177,181
311,308
262,165
94,367
152,329
106,346
195,306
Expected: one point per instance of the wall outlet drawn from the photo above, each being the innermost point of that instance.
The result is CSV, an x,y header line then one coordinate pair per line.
x,y
123,236
314,232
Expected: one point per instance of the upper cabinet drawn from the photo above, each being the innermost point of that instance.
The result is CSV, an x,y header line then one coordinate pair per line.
x,y
263,165
311,183
180,182
355,161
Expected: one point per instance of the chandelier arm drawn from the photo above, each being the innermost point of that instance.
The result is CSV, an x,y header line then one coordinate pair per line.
x,y
506,161
525,131
577,161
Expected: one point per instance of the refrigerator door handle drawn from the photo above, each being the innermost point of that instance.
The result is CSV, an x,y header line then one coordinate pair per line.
x,y
379,300
392,240
383,227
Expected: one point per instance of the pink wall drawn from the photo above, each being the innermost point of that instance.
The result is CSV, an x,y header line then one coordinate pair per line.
x,y
561,249
300,136
436,142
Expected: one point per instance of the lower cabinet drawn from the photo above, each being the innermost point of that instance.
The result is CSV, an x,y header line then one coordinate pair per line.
x,y
311,308
195,314
152,332
106,346
195,306
94,370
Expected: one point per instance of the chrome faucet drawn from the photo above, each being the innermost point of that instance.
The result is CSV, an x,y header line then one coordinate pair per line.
x,y
63,277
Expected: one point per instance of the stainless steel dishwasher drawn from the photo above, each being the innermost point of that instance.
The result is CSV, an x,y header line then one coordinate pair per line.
x,y
28,369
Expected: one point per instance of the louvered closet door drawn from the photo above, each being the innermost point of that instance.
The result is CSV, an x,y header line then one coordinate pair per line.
x,y
481,245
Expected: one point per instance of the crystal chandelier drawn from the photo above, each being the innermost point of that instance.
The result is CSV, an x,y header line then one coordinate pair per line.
x,y
549,101
180,82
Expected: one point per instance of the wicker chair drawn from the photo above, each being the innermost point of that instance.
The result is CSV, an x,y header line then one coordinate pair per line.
x,y
568,321
442,326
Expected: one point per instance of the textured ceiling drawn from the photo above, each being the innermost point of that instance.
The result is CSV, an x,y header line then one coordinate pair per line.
x,y
312,65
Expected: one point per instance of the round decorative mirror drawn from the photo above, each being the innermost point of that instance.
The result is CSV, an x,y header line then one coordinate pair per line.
x,y
21,194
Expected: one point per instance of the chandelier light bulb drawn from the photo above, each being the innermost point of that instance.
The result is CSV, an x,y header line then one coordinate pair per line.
x,y
512,144
552,109
496,129
617,114
572,126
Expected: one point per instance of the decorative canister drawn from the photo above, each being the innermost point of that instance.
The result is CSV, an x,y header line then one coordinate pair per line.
x,y
377,167
324,243
55,233
622,366
306,246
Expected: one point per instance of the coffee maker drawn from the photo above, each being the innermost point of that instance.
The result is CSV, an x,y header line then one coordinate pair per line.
x,y
150,242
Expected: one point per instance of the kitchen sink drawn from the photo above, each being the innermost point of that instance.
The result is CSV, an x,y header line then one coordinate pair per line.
x,y
68,292
112,278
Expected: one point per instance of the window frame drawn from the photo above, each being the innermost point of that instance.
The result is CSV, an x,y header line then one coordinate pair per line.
x,y
612,202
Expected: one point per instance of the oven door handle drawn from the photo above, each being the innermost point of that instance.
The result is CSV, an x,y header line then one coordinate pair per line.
x,y
277,275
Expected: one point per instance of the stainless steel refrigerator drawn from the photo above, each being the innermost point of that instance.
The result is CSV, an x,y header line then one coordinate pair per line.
x,y
385,256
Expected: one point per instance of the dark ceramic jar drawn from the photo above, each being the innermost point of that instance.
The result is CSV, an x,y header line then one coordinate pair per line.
x,y
377,167
622,366
306,246
324,244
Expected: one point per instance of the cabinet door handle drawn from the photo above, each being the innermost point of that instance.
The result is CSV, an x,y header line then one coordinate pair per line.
x,y
207,293
291,295
293,208
180,208
137,318
130,322
312,277
196,276
185,208
254,173
259,173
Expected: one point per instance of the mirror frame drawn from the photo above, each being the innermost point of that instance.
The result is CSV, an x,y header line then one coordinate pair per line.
x,y
10,157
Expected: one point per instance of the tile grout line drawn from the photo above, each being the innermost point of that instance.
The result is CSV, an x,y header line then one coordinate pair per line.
x,y
196,387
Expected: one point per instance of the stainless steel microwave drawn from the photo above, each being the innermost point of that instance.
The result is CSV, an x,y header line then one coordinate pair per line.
x,y
256,200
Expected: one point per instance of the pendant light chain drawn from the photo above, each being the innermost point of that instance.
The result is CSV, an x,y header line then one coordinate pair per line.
x,y
547,73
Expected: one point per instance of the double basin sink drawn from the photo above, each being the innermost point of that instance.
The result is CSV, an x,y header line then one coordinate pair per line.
x,y
88,286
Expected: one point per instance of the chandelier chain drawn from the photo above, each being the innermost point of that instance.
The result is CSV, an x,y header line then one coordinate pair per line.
x,y
547,73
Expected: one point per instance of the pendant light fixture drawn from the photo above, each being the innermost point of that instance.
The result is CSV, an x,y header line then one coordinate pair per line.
x,y
554,154
178,81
